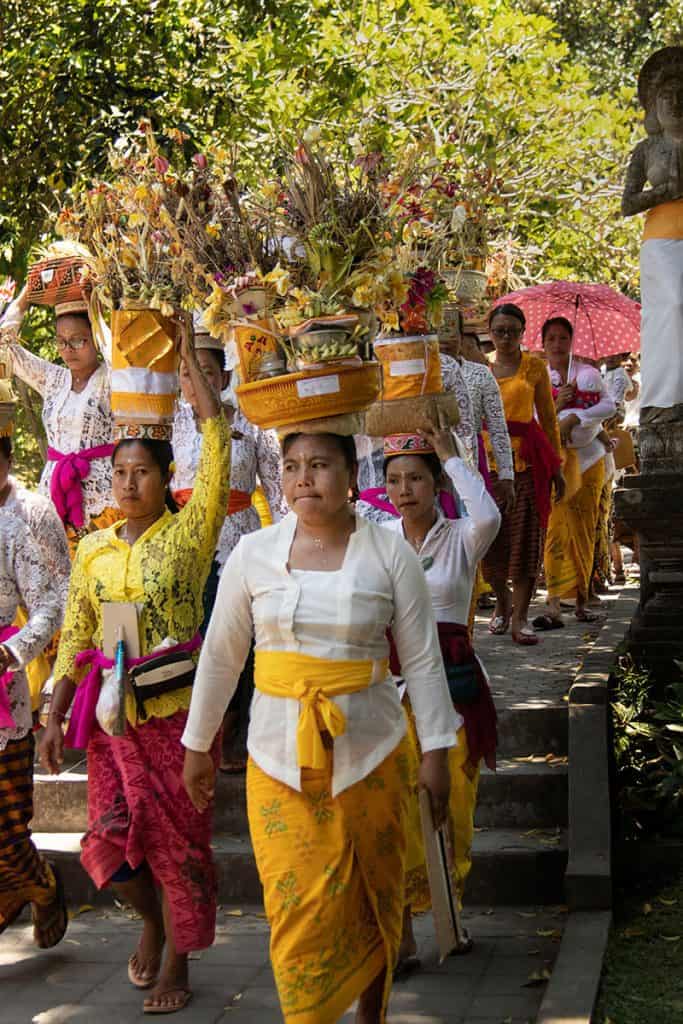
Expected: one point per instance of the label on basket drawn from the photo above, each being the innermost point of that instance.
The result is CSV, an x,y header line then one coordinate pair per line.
x,y
407,367
318,386
47,275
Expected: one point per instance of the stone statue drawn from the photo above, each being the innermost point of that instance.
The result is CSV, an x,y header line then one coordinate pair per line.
x,y
659,161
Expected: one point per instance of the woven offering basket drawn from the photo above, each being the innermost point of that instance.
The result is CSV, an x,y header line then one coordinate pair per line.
x,y
297,398
408,415
56,280
411,366
345,424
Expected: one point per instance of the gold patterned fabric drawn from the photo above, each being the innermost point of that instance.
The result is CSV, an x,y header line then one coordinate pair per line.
x,y
164,571
461,807
332,874
107,517
570,540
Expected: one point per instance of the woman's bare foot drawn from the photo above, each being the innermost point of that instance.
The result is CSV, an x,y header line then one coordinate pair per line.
x,y
172,990
145,962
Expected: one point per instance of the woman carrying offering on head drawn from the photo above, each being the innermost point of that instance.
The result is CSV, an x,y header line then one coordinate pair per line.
x,y
76,415
327,774
582,403
255,454
142,828
534,433
449,551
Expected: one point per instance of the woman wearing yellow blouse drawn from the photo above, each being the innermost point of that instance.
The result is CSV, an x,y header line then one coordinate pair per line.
x,y
143,830
534,433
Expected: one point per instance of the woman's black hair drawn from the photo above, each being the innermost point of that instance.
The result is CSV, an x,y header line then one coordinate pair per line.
x,y
560,321
6,447
430,459
219,355
345,443
78,315
508,309
162,454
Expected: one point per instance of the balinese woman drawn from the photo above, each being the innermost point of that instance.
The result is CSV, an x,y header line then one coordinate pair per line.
x,y
142,828
76,416
25,877
47,531
532,424
255,453
450,551
326,777
582,403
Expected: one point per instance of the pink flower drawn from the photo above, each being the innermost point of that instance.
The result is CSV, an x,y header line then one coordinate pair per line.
x,y
161,164
200,161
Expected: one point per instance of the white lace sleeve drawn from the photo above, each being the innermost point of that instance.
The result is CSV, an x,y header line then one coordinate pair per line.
x,y
268,468
494,412
48,531
453,380
39,594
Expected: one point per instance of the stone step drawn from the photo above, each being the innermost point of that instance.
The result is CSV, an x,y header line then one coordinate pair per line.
x,y
532,727
510,866
519,794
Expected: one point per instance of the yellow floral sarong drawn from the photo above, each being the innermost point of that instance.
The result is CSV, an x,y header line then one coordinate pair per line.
x,y
260,503
332,871
461,806
570,540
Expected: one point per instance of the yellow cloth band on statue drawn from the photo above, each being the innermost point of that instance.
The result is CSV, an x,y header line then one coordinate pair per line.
x,y
312,681
664,221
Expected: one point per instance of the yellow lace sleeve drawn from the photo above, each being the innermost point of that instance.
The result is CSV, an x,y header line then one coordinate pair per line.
x,y
545,406
80,621
200,521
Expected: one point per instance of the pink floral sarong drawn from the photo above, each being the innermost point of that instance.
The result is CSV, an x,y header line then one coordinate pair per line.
x,y
139,810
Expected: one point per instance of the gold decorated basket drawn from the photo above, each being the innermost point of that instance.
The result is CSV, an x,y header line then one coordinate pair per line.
x,y
408,415
315,395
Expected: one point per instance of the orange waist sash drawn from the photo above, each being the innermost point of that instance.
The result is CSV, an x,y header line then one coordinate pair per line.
x,y
238,501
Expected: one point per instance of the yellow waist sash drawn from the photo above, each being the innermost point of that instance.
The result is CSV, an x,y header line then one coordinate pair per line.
x,y
664,221
312,681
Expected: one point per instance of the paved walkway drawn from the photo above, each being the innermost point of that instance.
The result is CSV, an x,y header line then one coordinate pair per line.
x,y
83,980
501,982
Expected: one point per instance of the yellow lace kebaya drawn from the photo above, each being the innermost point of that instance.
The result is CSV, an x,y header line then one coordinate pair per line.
x,y
164,571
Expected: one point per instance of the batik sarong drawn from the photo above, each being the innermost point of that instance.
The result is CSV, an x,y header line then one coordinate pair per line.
x,y
25,876
139,811
570,540
332,871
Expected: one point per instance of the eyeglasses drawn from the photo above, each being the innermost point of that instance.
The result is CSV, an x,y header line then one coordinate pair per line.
x,y
506,332
73,344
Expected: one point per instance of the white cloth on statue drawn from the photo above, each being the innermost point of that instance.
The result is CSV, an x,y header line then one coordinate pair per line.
x,y
72,420
661,331
254,452
340,615
24,580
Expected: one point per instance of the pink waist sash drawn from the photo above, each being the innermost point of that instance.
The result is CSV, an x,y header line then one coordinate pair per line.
x,y
66,483
83,712
6,719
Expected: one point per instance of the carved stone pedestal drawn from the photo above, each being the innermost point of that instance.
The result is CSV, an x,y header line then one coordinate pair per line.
x,y
652,504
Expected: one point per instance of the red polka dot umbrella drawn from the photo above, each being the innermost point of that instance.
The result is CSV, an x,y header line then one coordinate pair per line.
x,y
605,321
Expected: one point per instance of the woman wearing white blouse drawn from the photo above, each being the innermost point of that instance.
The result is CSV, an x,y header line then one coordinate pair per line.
x,y
450,551
326,779
76,415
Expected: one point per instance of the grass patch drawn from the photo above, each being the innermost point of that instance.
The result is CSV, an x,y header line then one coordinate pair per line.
x,y
642,980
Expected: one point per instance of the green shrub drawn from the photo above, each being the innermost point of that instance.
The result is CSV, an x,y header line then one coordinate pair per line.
x,y
647,721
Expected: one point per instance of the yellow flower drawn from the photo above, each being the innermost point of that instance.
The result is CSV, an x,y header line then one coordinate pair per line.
x,y
213,230
279,278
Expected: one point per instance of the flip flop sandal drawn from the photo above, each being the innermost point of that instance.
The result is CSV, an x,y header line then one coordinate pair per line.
x,y
186,994
499,625
546,622
588,617
407,966
58,917
464,947
138,980
525,638
620,578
